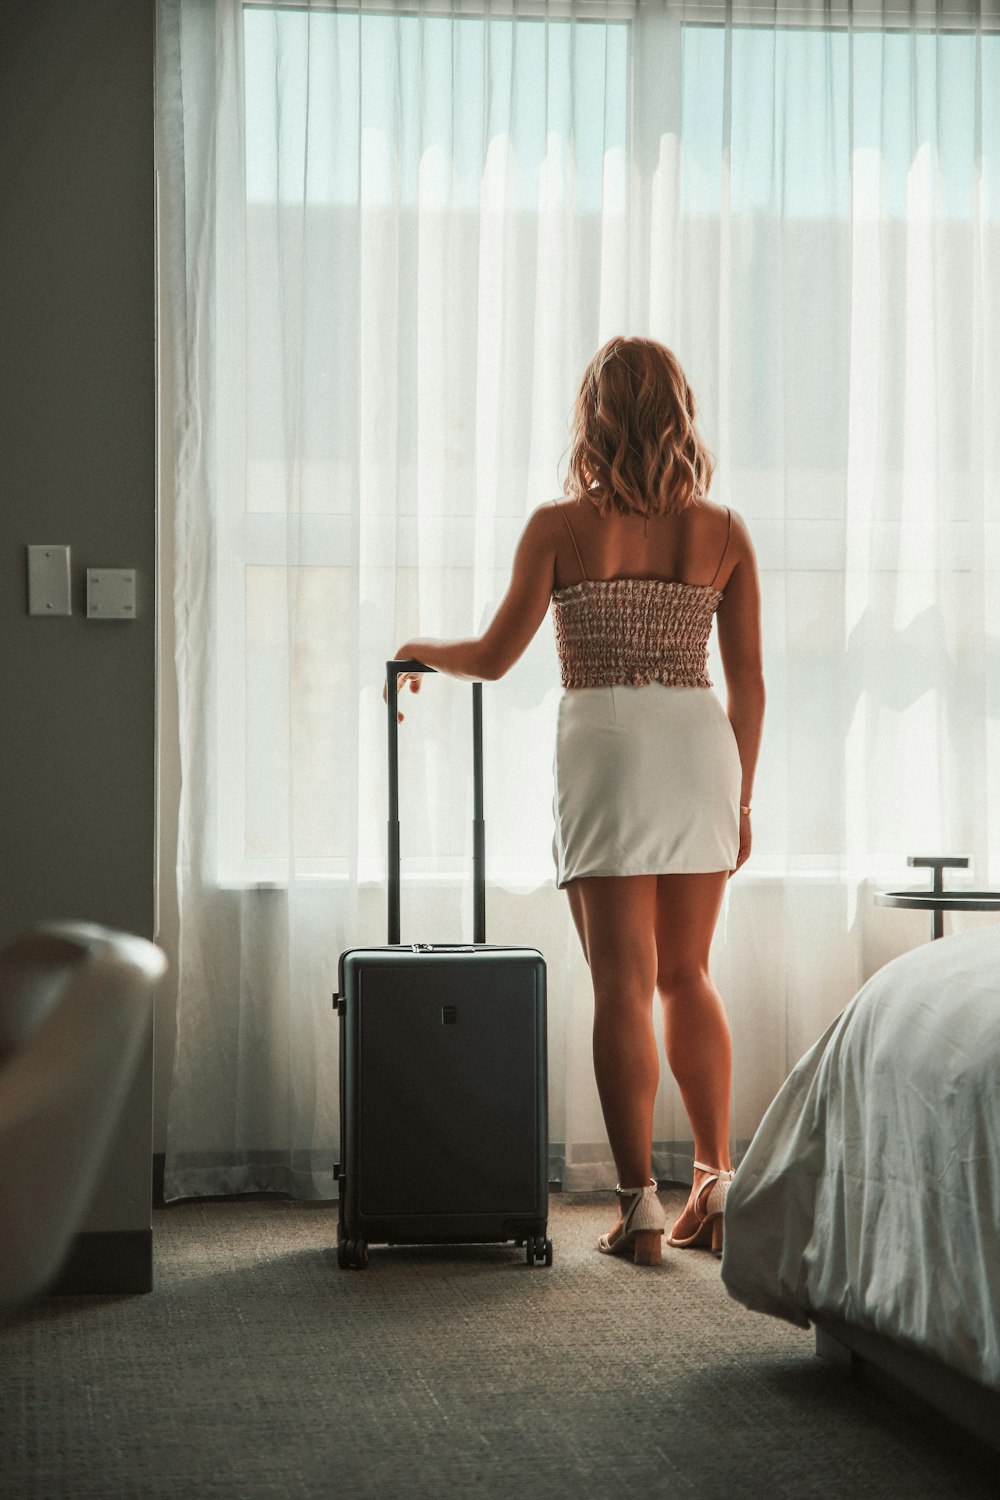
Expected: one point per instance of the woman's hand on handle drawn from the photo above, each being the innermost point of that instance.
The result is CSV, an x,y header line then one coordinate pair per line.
x,y
405,653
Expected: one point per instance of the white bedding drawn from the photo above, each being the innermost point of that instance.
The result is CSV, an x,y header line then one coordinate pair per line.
x,y
871,1191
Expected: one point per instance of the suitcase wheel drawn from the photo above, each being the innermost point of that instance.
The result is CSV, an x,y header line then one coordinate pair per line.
x,y
539,1250
352,1254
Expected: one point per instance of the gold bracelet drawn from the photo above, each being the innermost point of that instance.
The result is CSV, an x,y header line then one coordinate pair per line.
x,y
745,811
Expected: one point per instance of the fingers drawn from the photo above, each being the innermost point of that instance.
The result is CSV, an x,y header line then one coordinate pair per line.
x,y
414,679
410,679
742,855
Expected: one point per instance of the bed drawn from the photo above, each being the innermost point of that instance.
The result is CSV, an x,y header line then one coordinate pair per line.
x,y
868,1202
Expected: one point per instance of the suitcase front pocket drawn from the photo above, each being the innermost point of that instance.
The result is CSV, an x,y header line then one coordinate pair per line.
x,y
447,1101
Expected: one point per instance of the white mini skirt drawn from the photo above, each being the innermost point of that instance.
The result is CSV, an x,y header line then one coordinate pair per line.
x,y
647,782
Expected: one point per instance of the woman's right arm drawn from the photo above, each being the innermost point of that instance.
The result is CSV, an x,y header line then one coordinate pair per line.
x,y
740,646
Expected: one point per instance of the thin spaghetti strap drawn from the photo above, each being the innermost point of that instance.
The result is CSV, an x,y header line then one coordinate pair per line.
x,y
725,550
562,511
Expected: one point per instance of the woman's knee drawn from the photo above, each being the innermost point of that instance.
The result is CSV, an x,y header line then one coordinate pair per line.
x,y
623,990
681,973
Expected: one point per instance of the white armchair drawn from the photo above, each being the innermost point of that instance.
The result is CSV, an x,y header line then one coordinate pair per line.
x,y
75,1004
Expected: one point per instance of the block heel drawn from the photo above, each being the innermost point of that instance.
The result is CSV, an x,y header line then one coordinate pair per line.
x,y
647,1247
640,1229
708,1206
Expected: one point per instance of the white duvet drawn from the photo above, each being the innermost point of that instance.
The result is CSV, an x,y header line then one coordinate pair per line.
x,y
871,1191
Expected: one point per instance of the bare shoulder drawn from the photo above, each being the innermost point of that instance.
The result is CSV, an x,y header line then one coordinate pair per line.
x,y
543,525
550,508
545,513
741,545
535,554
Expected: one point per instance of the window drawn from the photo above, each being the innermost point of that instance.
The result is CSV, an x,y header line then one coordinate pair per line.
x,y
394,463
441,217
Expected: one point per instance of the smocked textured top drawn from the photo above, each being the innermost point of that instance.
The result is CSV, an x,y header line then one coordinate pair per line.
x,y
615,632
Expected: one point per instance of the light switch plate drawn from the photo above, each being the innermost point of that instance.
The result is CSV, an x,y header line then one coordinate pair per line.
x,y
48,581
110,593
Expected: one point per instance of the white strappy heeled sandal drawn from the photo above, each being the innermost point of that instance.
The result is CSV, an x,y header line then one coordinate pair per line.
x,y
708,1207
640,1228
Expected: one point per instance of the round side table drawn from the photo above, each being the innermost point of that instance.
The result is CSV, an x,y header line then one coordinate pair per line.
x,y
937,900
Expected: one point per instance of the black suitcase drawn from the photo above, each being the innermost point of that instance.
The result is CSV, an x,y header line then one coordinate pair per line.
x,y
443,1077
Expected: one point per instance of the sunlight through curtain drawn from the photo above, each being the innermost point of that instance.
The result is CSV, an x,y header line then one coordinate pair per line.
x,y
393,239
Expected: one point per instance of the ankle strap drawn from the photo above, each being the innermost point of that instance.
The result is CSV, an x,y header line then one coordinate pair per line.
x,y
631,1192
700,1166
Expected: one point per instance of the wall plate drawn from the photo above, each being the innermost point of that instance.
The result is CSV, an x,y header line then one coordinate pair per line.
x,y
110,593
48,581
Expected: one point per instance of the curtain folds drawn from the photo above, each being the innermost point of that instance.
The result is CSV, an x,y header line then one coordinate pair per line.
x,y
392,241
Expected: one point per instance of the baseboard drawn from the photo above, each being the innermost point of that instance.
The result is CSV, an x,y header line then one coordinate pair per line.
x,y
106,1263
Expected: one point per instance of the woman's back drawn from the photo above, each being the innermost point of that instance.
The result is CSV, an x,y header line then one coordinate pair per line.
x,y
684,548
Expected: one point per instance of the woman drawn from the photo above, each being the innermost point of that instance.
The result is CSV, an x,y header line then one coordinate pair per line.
x,y
653,780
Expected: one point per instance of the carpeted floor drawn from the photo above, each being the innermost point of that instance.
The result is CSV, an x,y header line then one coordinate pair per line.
x,y
258,1369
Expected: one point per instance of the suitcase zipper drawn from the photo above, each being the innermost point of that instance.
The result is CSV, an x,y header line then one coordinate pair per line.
x,y
440,948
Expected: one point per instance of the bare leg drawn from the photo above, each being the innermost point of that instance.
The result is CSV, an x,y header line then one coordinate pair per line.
x,y
615,916
696,1030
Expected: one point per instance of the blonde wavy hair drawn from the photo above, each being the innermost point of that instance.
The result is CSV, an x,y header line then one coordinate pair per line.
x,y
634,446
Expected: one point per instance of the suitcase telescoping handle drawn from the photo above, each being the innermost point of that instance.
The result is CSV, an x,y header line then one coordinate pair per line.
x,y
392,668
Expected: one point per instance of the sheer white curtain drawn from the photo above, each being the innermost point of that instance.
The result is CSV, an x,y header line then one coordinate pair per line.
x,y
393,240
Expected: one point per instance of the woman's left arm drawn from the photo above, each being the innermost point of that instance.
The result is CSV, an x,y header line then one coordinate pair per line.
x,y
486,657
738,623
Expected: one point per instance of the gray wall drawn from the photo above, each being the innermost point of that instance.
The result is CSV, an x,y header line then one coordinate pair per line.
x,y
78,447
77,437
